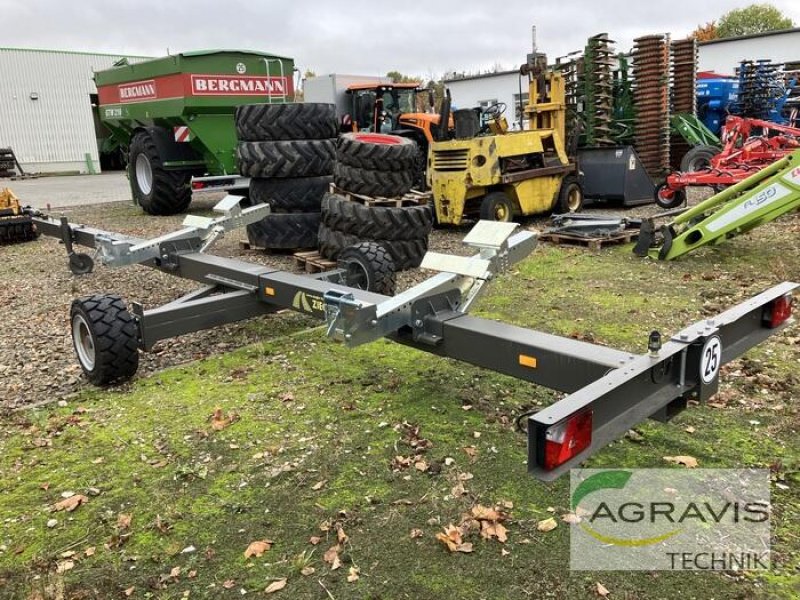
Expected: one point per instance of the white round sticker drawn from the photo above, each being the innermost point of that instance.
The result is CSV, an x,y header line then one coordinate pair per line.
x,y
711,359
241,68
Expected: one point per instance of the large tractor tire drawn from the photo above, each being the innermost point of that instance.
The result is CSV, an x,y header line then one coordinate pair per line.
x,y
285,231
377,151
376,222
371,182
105,337
300,158
270,122
294,194
368,266
406,254
698,158
157,190
570,196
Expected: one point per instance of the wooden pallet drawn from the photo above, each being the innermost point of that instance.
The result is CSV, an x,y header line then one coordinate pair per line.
x,y
312,262
410,198
594,243
245,246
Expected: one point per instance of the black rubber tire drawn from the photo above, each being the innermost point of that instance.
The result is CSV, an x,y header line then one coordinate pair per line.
x,y
497,206
377,151
369,182
300,121
285,231
570,196
369,266
406,254
698,158
171,190
376,222
104,322
678,197
293,194
301,158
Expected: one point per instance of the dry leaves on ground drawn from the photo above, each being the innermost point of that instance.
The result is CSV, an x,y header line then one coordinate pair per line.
x,y
602,590
547,525
276,586
220,420
352,574
331,557
453,539
258,548
71,503
690,462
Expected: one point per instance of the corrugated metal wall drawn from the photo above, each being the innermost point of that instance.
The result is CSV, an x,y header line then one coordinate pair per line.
x,y
55,131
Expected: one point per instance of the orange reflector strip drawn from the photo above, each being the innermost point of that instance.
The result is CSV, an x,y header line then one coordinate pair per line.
x,y
527,361
268,291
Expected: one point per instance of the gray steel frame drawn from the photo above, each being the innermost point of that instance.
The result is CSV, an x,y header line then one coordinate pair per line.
x,y
621,389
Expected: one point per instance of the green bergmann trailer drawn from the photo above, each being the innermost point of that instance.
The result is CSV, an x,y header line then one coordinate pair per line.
x,y
175,115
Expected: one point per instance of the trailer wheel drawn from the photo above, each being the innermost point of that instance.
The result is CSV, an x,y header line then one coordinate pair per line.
x,y
376,222
667,198
105,338
377,151
497,206
294,158
157,190
698,158
294,194
406,254
371,182
369,266
80,263
570,195
291,121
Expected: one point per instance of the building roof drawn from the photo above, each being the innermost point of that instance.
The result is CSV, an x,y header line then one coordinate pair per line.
x,y
79,52
482,76
412,85
751,36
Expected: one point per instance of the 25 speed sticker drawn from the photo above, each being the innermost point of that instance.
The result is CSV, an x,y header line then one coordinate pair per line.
x,y
711,359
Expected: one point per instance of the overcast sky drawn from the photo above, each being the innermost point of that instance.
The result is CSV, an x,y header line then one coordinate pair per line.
x,y
362,37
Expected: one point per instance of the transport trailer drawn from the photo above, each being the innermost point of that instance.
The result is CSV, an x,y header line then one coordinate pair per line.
x,y
609,391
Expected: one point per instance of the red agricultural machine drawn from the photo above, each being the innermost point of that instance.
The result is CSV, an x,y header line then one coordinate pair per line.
x,y
748,145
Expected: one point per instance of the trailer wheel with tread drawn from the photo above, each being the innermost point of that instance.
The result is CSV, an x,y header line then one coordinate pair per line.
x,y
291,121
570,195
158,191
698,158
369,266
285,231
370,182
667,198
298,194
377,151
294,158
407,254
376,222
105,337
497,206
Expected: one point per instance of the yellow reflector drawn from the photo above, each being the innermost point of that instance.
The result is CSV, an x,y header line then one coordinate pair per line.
x,y
527,361
268,291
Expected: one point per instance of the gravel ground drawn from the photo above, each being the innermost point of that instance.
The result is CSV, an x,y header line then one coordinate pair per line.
x,y
37,364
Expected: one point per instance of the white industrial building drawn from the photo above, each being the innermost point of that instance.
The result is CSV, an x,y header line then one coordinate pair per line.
x,y
720,56
46,108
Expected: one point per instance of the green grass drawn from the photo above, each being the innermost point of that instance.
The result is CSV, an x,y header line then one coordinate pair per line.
x,y
312,411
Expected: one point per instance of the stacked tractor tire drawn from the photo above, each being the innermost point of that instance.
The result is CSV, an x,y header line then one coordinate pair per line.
x,y
377,166
288,151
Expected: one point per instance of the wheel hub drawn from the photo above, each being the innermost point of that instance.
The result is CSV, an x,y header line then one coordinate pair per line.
x,y
83,341
574,200
144,174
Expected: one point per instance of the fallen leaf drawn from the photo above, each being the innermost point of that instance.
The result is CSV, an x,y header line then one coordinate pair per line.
x,y
89,551
98,460
229,584
341,535
257,548
45,486
325,526
175,572
494,530
192,574
276,586
602,590
314,540
453,540
571,518
690,429
421,465
71,503
319,485
472,452
690,462
482,513
547,525
220,421
64,566
129,591
458,490
307,571
287,397
124,521
504,552
465,476
352,574
416,533
331,556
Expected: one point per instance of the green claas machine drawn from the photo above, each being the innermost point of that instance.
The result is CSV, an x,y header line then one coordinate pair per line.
x,y
175,115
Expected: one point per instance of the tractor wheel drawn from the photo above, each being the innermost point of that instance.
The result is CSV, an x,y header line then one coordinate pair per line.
x,y
301,121
285,231
497,206
377,151
405,254
105,337
157,190
570,195
667,198
698,158
376,222
371,182
293,194
368,266
301,158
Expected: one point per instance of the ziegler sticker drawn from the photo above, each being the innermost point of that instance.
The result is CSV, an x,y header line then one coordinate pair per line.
x,y
711,359
308,303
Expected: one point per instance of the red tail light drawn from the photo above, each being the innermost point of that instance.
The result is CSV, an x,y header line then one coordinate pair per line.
x,y
567,439
198,185
777,312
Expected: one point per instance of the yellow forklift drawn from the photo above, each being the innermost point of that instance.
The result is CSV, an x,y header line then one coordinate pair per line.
x,y
492,173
